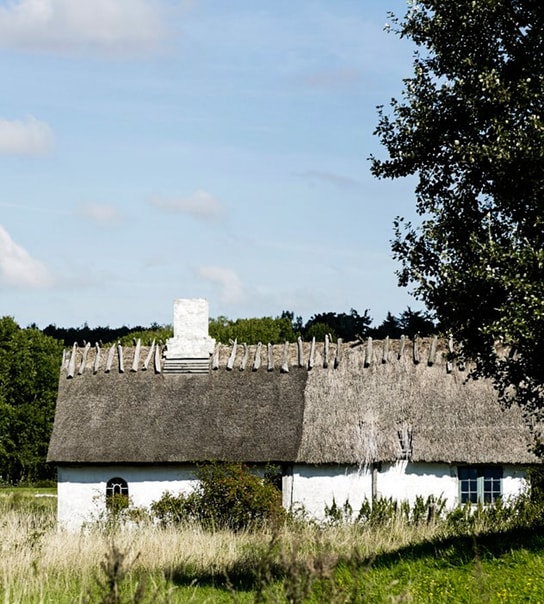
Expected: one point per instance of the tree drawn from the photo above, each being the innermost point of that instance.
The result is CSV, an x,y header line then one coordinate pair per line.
x,y
29,373
251,331
470,127
410,323
416,322
347,326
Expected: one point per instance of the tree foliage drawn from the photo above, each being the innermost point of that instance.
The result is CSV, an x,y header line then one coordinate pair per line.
x,y
29,373
347,326
470,126
409,323
251,331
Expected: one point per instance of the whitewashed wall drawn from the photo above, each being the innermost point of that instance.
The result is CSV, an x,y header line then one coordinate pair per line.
x,y
315,487
404,481
82,490
514,481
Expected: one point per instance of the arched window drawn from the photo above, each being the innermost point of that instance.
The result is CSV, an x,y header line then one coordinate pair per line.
x,y
117,493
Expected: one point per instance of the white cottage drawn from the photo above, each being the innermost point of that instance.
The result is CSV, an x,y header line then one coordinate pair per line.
x,y
346,422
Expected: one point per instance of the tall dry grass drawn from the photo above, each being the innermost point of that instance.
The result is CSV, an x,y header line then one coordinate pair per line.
x,y
39,563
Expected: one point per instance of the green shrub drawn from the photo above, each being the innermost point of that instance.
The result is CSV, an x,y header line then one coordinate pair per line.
x,y
522,512
383,511
336,514
228,495
173,509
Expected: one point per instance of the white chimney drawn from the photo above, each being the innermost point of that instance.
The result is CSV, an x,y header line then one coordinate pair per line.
x,y
191,345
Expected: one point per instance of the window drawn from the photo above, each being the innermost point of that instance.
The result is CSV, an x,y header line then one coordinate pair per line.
x,y
480,483
117,493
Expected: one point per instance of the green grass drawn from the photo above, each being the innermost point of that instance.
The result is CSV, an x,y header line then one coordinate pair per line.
x,y
504,567
335,564
494,568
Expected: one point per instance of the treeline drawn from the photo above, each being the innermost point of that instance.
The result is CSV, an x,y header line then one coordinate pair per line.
x,y
30,367
285,327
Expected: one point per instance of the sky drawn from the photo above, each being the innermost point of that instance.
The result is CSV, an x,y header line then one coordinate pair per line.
x,y
160,149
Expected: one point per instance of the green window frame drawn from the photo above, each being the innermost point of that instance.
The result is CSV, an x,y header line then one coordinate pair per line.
x,y
479,484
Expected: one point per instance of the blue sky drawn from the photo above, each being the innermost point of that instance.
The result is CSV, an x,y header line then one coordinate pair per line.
x,y
156,149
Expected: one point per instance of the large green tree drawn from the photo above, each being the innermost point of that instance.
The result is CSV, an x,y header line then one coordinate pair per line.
x,y
29,374
470,126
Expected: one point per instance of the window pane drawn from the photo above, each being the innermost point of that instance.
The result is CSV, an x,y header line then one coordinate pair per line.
x,y
492,483
469,484
467,472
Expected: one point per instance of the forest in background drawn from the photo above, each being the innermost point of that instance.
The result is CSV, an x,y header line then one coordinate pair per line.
x,y
276,330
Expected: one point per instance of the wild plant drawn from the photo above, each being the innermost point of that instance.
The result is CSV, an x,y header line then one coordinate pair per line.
x,y
228,495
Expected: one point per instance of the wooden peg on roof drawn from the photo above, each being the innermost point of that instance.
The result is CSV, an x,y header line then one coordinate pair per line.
x,y
121,360
232,356
326,352
270,357
149,356
338,354
84,359
368,352
72,362
312,354
215,357
401,347
285,359
109,359
257,358
157,362
415,351
385,351
300,352
136,359
96,363
245,356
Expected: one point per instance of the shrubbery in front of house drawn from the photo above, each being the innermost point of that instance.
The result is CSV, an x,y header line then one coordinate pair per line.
x,y
228,495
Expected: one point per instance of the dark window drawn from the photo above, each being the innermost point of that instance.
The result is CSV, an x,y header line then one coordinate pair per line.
x,y
480,483
117,493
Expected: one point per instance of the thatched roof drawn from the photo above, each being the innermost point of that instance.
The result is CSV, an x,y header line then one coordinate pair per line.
x,y
337,403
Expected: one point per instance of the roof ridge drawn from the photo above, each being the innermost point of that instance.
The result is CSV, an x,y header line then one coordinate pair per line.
x,y
368,352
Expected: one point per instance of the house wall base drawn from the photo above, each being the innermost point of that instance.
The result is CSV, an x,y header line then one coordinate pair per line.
x,y
82,489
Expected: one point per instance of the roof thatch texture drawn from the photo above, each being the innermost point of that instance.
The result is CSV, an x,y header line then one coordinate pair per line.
x,y
397,409
377,401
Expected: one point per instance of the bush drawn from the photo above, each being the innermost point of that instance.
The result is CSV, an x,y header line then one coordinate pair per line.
x,y
523,512
228,495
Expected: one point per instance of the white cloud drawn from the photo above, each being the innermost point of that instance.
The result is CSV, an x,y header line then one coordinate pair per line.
x,y
64,26
25,137
100,213
18,268
231,287
201,205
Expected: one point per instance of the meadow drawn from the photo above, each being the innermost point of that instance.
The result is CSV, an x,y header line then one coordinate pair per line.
x,y
493,556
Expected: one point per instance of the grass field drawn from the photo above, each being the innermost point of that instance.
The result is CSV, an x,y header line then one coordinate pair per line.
x,y
393,562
